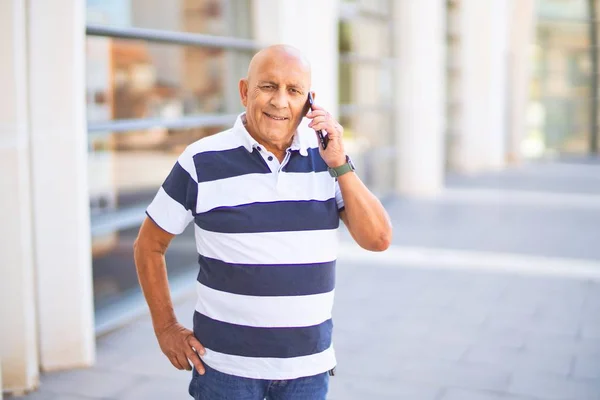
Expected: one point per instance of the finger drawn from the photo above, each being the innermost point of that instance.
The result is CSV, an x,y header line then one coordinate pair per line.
x,y
195,359
325,126
175,362
317,120
316,107
196,345
316,113
183,361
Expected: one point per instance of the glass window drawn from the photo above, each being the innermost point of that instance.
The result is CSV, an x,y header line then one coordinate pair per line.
x,y
211,17
135,79
129,79
366,89
559,113
114,273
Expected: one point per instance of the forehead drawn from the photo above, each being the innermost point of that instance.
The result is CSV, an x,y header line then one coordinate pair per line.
x,y
283,69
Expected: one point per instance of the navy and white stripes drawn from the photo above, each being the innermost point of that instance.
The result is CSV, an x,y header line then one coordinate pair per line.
x,y
267,243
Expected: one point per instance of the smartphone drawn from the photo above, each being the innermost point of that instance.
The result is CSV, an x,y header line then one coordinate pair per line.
x,y
322,137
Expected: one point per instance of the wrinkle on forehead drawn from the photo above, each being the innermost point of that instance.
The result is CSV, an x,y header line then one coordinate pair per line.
x,y
279,53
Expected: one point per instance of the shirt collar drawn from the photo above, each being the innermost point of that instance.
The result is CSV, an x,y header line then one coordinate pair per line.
x,y
299,142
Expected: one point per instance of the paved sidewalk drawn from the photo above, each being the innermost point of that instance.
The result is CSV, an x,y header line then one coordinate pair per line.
x,y
404,333
429,332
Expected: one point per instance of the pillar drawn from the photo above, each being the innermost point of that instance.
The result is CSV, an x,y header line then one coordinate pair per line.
x,y
59,183
522,14
311,26
495,148
18,338
420,99
481,124
468,152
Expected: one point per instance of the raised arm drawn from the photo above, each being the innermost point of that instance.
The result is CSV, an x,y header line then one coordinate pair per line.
x,y
365,217
363,214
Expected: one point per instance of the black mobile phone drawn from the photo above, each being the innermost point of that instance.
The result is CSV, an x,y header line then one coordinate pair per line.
x,y
322,137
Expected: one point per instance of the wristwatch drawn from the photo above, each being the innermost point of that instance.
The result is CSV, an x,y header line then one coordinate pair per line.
x,y
342,169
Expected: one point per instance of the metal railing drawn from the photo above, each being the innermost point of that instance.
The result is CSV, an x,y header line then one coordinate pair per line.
x,y
125,218
132,216
177,38
192,121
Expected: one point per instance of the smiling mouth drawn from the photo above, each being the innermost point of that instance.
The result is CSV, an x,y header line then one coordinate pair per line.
x,y
274,117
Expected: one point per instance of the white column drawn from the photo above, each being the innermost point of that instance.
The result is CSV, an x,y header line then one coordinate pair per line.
x,y
479,140
522,28
420,104
495,145
59,180
18,339
474,63
311,26
481,122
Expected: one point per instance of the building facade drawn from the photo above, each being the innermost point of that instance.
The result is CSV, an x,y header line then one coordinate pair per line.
x,y
100,97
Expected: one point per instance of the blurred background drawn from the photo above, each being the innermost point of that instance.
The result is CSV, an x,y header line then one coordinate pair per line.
x,y
475,121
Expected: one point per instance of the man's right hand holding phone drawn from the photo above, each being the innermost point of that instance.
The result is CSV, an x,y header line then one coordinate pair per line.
x,y
334,154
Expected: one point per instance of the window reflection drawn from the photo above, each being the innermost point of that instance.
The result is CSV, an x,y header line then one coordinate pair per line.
x,y
560,90
210,17
135,79
366,88
132,80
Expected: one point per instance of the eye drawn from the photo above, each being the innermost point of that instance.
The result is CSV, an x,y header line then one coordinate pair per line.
x,y
295,91
267,87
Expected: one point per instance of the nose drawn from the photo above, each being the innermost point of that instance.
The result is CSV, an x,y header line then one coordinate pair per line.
x,y
279,99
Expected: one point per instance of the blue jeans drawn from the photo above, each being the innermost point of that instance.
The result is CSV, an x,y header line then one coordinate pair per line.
x,y
215,385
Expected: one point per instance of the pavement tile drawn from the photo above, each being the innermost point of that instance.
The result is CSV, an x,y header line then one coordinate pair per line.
x,y
41,395
151,364
153,389
587,367
443,373
89,383
590,329
562,345
465,394
517,360
552,388
380,389
503,338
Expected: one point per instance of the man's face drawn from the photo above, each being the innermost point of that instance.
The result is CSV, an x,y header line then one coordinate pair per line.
x,y
275,96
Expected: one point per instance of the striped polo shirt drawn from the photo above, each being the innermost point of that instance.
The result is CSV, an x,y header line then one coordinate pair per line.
x,y
266,235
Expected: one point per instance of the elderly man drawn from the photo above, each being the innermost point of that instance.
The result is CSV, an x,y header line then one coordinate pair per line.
x,y
266,199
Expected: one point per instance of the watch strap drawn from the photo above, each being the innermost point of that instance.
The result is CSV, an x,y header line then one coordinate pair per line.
x,y
342,169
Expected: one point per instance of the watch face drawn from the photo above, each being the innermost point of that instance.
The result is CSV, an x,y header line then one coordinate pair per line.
x,y
349,160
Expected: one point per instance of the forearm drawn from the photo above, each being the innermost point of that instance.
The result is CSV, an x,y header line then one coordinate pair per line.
x,y
365,217
152,275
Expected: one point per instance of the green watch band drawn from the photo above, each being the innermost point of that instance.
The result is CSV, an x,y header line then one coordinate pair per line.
x,y
342,169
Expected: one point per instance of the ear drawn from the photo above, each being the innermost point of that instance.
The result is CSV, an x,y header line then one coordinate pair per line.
x,y
243,85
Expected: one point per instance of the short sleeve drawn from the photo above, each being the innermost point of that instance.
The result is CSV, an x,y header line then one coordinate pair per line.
x,y
338,197
174,205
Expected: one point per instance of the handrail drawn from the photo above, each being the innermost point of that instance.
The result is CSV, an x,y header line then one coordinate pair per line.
x,y
172,37
192,121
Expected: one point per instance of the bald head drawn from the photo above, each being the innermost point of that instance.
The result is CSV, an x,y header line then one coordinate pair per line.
x,y
275,95
281,54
